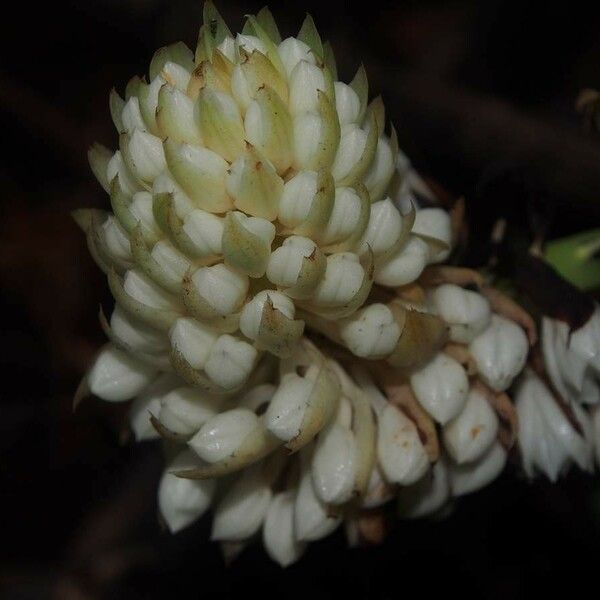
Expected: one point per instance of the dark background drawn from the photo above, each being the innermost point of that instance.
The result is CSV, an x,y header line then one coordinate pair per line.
x,y
482,95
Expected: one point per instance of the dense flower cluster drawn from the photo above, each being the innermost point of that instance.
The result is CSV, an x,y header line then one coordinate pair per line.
x,y
281,314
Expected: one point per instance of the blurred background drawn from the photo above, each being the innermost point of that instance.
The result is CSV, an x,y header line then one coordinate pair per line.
x,y
483,98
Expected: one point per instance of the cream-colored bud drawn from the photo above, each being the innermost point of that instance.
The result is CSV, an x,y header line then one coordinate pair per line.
x,y
141,209
117,376
193,340
250,43
344,217
135,334
200,173
286,410
220,122
184,410
305,80
405,265
441,387
371,332
312,518
342,280
205,230
142,289
433,225
470,477
308,130
352,144
170,260
279,537
400,451
143,153
347,103
116,167
223,289
470,434
383,229
230,362
380,173
242,510
292,51
426,496
334,464
467,312
183,501
131,117
297,198
286,262
116,240
247,243
251,316
223,434
500,352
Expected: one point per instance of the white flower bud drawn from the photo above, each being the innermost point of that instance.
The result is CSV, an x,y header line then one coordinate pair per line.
x,y
131,117
144,290
470,477
205,230
371,332
342,280
193,340
344,216
252,312
243,508
441,387
148,403
426,496
334,464
279,537
297,198
352,145
286,261
500,352
227,47
347,103
223,434
380,172
469,435
405,266
141,209
468,313
230,362
223,288
400,451
250,43
292,51
116,167
434,224
547,440
137,335
116,376
116,240
285,413
171,261
312,520
308,130
572,358
145,155
184,410
305,80
385,224
183,501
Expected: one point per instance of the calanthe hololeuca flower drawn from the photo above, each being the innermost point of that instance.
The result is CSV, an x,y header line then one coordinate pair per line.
x,y
281,314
